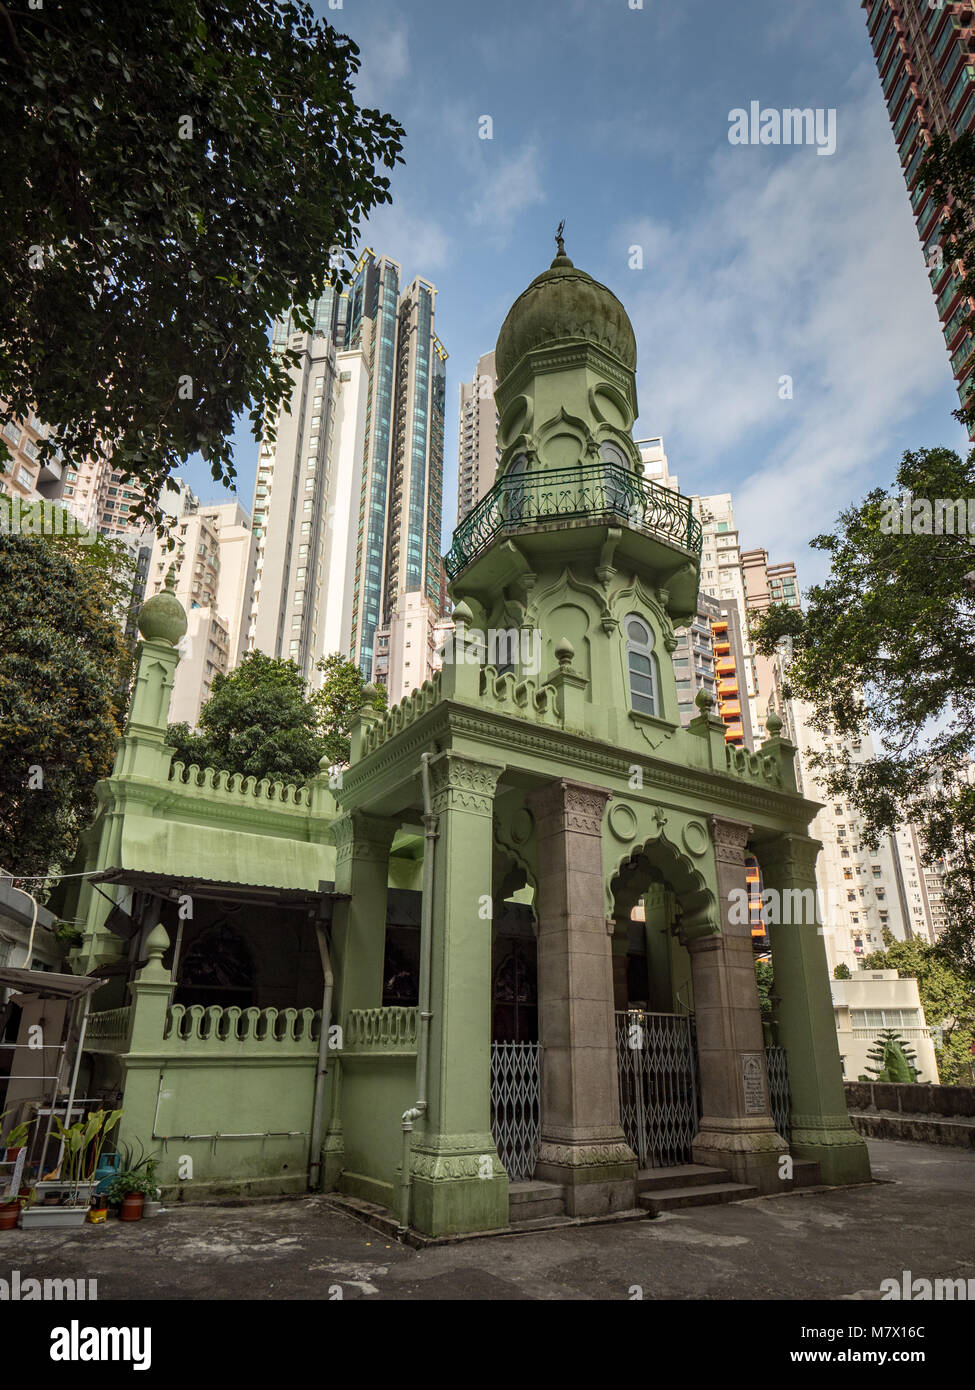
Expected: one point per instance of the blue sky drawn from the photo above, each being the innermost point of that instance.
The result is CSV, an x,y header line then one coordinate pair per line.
x,y
758,261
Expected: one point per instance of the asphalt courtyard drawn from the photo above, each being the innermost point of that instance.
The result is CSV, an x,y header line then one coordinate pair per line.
x,y
919,1215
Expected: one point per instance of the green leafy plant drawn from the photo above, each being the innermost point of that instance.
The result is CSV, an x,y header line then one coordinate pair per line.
x,y
893,1059
82,1147
181,173
136,1175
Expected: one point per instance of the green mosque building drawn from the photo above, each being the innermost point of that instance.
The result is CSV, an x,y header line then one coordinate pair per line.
x,y
498,973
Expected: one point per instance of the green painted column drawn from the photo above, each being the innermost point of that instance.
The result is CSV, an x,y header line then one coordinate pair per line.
x,y
150,1003
362,844
821,1126
458,1181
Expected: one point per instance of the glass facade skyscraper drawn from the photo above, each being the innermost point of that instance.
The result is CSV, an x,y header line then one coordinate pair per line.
x,y
348,500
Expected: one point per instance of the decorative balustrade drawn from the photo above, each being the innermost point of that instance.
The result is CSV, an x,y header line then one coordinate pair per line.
x,y
521,500
755,767
536,701
214,1025
402,715
381,1030
109,1030
237,785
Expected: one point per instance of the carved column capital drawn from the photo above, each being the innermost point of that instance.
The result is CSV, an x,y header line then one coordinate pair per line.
x,y
464,784
729,838
358,835
788,858
565,805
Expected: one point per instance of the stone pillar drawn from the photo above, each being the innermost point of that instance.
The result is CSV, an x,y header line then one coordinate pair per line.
x,y
362,844
582,1143
737,1130
821,1127
150,1002
459,1183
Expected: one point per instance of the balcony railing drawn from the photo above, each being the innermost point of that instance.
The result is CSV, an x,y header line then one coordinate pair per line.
x,y
521,500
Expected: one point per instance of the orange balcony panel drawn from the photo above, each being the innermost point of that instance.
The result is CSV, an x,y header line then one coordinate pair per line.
x,y
734,734
758,931
731,710
722,648
724,666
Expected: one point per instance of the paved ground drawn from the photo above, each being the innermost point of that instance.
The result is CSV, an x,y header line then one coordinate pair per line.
x,y
919,1217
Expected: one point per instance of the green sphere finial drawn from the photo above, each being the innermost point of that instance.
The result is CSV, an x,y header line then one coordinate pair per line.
x,y
162,617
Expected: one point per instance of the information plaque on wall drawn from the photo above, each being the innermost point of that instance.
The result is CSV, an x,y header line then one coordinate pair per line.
x,y
753,1080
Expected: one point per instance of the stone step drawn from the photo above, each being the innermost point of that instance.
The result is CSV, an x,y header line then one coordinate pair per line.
x,y
703,1195
681,1175
534,1201
805,1172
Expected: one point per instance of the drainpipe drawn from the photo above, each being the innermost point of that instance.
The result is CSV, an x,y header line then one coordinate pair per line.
x,y
419,1109
315,1156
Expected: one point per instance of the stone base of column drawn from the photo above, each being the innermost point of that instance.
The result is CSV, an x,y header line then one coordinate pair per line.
x,y
597,1175
748,1149
333,1159
458,1185
835,1145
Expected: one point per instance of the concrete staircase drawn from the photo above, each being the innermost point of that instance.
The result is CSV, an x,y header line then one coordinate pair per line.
x,y
690,1185
534,1201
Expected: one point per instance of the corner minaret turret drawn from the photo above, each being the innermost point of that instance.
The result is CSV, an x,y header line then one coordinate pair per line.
x,y
573,543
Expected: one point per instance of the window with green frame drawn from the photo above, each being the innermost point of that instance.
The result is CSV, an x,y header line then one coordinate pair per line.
x,y
641,665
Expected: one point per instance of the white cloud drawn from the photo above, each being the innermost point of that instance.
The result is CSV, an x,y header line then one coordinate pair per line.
x,y
792,265
417,241
507,186
385,54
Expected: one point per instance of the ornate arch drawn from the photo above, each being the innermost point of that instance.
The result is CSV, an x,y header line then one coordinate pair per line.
x,y
659,859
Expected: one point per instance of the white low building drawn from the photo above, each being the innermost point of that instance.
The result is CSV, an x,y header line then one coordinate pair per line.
x,y
870,1002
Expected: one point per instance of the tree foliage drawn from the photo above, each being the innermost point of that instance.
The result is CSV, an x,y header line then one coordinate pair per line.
x,y
259,721
892,1059
63,674
888,643
342,695
175,176
947,995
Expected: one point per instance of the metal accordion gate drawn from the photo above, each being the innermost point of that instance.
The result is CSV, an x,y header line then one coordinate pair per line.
x,y
515,1093
660,1107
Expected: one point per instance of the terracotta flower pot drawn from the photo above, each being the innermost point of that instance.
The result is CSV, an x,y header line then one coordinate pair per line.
x,y
132,1206
9,1214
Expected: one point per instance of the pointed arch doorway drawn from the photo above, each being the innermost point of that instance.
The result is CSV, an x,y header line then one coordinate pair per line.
x,y
656,1041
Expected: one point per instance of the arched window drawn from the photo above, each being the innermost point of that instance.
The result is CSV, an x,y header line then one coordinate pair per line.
x,y
641,664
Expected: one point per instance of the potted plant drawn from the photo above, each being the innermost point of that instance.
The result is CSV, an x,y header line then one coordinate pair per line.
x,y
9,1213
63,1198
129,1188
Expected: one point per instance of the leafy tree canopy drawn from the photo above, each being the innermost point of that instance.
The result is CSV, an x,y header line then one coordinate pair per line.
x,y
262,721
947,995
342,695
63,669
176,176
259,721
891,1059
888,642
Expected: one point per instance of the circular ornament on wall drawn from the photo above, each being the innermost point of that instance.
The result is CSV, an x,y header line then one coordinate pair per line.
x,y
695,837
522,825
622,821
